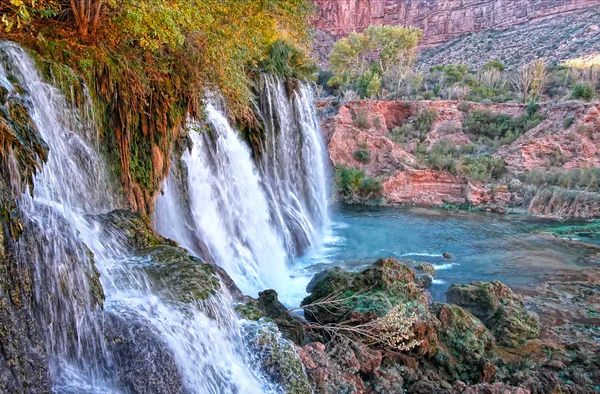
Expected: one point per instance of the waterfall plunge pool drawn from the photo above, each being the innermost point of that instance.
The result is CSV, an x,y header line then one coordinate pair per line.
x,y
485,247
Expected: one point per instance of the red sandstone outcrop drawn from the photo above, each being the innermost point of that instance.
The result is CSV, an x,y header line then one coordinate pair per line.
x,y
552,145
406,181
440,20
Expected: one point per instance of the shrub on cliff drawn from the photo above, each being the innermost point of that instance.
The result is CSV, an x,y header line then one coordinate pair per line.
x,y
495,130
362,155
354,186
582,91
483,167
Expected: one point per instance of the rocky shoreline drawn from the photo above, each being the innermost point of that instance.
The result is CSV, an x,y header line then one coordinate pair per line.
x,y
376,331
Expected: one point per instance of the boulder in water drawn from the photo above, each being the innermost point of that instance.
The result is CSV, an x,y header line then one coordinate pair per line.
x,y
447,255
501,310
427,268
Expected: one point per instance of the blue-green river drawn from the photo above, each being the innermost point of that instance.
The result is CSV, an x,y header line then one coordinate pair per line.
x,y
485,247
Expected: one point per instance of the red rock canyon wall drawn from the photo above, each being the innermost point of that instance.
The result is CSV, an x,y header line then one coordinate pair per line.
x,y
440,20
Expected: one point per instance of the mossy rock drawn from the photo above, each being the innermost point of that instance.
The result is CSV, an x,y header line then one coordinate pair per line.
x,y
134,228
464,336
267,305
501,310
249,311
276,357
366,295
178,276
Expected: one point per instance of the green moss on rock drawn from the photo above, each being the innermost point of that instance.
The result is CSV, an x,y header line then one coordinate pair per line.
x,y
178,276
276,357
135,228
501,310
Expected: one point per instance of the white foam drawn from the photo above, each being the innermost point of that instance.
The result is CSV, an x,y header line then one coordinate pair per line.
x,y
441,267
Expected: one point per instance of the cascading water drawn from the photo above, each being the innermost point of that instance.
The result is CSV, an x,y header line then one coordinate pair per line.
x,y
253,217
59,233
293,164
229,209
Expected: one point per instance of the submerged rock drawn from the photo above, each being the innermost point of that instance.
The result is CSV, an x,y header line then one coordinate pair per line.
x,y
447,255
501,310
276,357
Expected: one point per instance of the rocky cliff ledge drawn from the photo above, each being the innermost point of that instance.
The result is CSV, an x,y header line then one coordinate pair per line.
x,y
566,138
440,20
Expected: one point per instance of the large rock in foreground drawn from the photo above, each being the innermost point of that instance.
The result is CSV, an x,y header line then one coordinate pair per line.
x,y
501,310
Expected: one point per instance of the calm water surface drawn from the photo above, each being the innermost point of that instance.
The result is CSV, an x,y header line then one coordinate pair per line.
x,y
484,246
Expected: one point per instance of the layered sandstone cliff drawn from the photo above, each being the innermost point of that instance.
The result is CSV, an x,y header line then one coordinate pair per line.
x,y
440,20
407,180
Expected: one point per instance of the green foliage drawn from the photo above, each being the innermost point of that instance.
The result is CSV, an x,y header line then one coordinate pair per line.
x,y
401,134
494,129
352,58
584,178
532,108
354,186
362,155
368,84
287,61
424,120
494,65
483,167
568,122
362,119
582,91
454,73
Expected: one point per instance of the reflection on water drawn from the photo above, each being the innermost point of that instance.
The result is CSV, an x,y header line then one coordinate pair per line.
x,y
485,247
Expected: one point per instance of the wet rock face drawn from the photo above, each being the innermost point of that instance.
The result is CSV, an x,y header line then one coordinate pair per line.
x,y
23,358
173,271
142,361
501,310
178,276
440,20
276,357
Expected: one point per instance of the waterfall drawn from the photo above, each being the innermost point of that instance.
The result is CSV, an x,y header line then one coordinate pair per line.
x,y
253,216
59,233
293,164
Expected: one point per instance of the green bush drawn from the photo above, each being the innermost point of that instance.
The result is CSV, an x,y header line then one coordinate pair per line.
x,y
362,119
362,155
495,130
568,122
368,84
424,120
439,162
354,186
582,91
402,134
482,168
494,64
371,185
